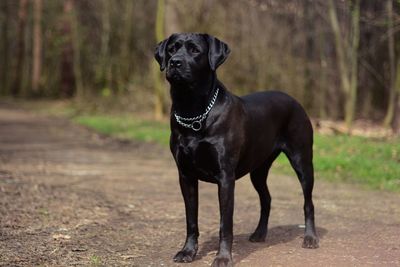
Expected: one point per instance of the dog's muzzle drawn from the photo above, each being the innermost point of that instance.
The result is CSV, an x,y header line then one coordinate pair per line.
x,y
176,70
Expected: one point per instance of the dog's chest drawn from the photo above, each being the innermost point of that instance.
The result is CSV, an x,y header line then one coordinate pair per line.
x,y
198,159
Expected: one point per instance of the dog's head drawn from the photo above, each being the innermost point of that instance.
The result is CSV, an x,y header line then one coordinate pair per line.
x,y
189,56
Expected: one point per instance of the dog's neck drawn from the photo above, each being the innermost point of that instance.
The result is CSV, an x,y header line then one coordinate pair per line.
x,y
190,100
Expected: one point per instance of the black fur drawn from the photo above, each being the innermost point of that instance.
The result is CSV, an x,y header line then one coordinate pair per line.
x,y
240,135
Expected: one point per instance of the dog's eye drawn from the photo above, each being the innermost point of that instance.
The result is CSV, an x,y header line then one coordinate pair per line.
x,y
172,50
194,50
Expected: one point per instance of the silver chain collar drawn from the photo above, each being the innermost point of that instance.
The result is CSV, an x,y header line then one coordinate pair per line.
x,y
194,123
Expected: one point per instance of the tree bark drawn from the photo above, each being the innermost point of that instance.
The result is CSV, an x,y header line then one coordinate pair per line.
x,y
125,59
392,66
103,70
37,45
5,68
395,123
339,47
67,56
171,17
76,45
323,78
22,14
159,105
351,99
347,57
309,55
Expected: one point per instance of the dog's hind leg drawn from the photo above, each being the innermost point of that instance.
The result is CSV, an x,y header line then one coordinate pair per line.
x,y
300,157
259,180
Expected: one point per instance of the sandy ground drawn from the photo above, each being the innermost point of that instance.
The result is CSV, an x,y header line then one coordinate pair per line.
x,y
69,197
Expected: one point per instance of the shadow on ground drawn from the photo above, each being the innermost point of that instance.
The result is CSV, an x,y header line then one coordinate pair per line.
x,y
276,235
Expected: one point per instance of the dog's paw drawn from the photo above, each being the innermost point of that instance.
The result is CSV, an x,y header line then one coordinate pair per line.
x,y
185,256
257,237
310,241
222,261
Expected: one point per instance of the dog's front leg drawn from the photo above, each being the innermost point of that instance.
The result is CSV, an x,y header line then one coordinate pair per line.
x,y
226,189
189,188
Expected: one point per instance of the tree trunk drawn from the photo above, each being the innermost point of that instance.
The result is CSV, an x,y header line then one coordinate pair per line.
x,y
347,57
67,56
125,59
352,95
37,45
159,105
5,66
309,55
392,62
171,17
323,77
22,14
103,70
339,48
395,123
396,116
76,46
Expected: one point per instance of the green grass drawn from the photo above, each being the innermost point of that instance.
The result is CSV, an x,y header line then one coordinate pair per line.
x,y
127,127
371,162
95,260
374,163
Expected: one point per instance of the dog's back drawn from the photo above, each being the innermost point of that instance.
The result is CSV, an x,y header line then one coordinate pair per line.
x,y
272,119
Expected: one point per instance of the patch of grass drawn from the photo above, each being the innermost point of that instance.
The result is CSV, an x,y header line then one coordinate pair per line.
x,y
43,212
127,127
371,162
375,163
95,260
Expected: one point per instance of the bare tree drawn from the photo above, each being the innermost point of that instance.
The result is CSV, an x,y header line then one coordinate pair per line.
x,y
37,45
125,63
5,43
309,83
159,90
20,57
172,17
103,69
347,57
396,112
76,44
67,56
392,66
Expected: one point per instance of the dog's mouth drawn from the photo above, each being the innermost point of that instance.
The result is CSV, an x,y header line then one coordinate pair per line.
x,y
176,75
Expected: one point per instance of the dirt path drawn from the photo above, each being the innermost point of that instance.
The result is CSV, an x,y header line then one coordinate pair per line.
x,y
70,197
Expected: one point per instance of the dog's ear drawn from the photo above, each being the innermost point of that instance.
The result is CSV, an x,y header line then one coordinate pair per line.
x,y
161,53
218,51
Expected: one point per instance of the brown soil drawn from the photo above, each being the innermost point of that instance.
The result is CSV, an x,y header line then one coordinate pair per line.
x,y
71,197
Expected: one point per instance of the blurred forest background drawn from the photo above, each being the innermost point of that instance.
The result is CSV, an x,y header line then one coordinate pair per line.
x,y
339,58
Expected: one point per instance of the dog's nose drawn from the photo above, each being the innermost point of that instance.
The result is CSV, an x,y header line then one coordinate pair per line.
x,y
175,62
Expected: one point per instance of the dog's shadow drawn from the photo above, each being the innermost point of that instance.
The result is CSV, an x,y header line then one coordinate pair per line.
x,y
243,247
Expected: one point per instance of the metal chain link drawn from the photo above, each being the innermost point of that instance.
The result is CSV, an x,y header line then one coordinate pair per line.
x,y
196,124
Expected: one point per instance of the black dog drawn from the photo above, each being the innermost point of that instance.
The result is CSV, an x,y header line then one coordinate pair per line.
x,y
218,137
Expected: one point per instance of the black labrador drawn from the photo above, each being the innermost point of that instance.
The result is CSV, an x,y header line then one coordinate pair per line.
x,y
218,137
